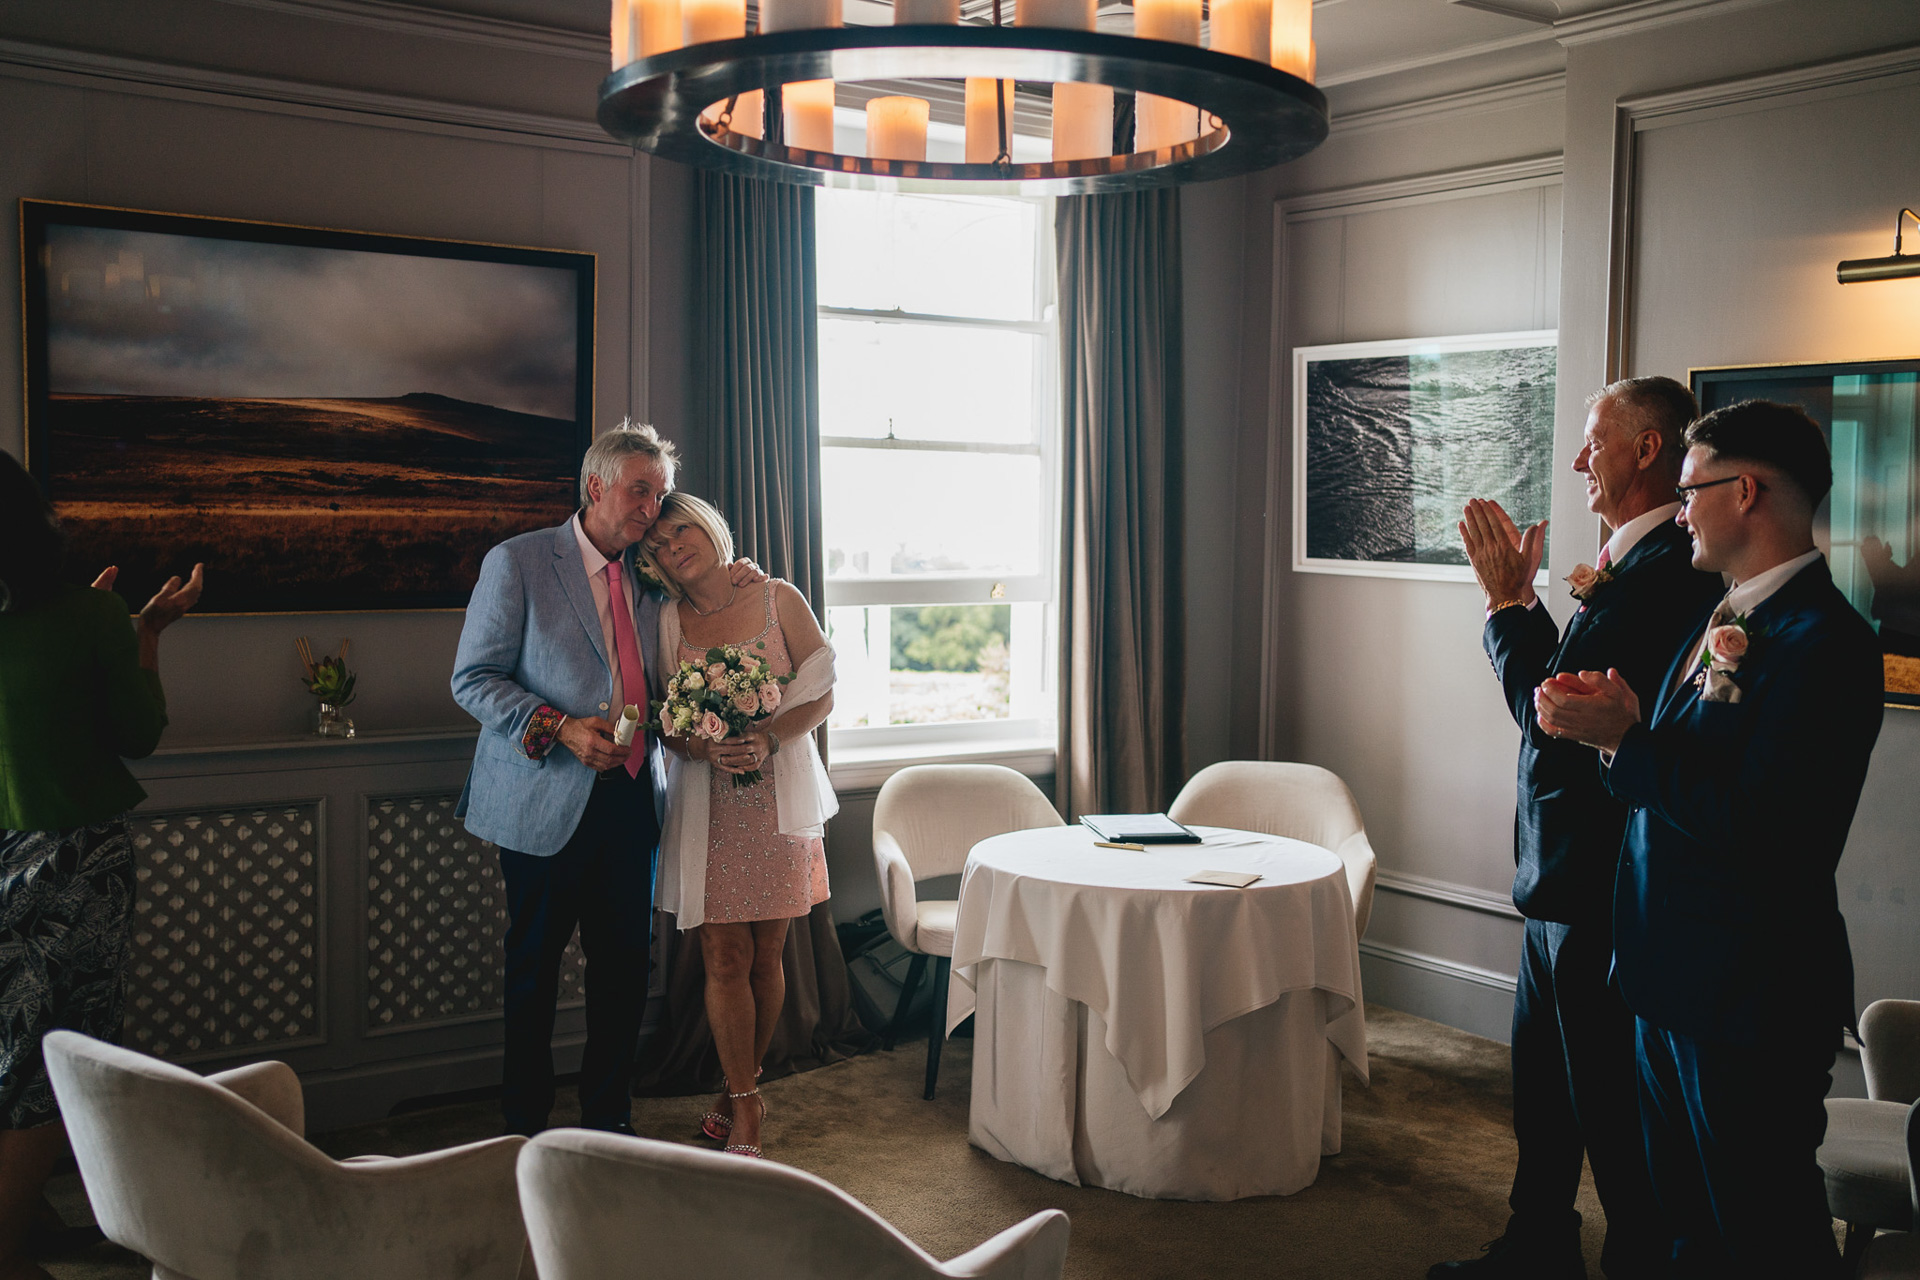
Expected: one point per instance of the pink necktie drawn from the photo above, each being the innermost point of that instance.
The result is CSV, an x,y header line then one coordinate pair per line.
x,y
632,674
1606,558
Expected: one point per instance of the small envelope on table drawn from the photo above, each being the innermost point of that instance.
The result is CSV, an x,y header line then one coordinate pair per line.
x,y
1231,879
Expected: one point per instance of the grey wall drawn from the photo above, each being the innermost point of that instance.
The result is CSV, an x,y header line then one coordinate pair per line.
x,y
287,119
1742,199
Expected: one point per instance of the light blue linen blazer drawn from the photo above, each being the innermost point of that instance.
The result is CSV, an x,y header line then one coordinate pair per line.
x,y
532,637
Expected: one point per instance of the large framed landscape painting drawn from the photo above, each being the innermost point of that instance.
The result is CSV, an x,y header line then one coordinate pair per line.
x,y
331,420
1869,526
1390,439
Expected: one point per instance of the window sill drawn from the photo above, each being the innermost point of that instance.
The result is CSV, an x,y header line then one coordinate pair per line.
x,y
866,768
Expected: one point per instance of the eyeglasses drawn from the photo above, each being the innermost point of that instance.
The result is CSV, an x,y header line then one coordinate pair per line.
x,y
1685,492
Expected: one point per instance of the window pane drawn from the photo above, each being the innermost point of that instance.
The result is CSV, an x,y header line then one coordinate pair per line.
x,y
937,255
933,664
926,382
902,511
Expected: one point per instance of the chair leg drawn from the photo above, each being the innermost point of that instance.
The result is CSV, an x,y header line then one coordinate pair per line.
x,y
937,1033
912,984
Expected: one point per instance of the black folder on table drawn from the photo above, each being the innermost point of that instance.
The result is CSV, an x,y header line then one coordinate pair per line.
x,y
1138,828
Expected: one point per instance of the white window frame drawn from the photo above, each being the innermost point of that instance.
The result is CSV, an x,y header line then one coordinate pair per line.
x,y
864,756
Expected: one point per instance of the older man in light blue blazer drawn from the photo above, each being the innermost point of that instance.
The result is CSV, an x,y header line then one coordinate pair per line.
x,y
557,640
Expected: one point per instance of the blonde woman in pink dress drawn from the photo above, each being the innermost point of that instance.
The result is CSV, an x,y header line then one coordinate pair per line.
x,y
740,862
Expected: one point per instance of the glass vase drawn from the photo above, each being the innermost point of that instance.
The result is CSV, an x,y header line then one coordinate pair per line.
x,y
330,721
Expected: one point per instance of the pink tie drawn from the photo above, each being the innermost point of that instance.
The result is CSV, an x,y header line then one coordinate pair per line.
x,y
1606,558
627,646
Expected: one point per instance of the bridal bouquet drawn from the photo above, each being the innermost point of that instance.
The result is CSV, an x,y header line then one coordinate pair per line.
x,y
727,694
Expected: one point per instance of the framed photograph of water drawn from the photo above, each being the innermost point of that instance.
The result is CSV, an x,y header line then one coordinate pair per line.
x,y
1390,439
1869,526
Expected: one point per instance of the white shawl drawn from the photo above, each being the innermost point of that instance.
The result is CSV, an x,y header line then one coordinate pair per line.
x,y
803,796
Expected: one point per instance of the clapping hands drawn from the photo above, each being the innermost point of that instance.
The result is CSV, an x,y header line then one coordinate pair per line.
x,y
1594,707
1504,559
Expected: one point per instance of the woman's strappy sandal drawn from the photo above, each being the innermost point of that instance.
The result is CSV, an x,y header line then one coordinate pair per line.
x,y
746,1148
717,1126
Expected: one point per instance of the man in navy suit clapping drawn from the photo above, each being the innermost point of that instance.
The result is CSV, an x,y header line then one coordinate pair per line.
x,y
1742,769
1573,1059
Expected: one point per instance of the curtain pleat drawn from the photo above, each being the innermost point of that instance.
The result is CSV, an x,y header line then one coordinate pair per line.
x,y
758,415
1122,712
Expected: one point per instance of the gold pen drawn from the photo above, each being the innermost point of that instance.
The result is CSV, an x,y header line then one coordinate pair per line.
x,y
1115,844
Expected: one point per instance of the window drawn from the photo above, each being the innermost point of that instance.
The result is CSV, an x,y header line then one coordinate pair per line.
x,y
939,426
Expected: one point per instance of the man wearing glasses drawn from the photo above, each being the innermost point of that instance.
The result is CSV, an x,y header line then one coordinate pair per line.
x,y
1573,1063
1742,767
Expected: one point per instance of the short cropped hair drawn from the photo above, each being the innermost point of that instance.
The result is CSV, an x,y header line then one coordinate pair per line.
x,y
33,547
1780,436
609,453
1655,404
698,512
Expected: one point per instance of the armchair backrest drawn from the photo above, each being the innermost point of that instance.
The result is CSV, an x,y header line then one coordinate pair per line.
x,y
595,1202
935,813
1890,1049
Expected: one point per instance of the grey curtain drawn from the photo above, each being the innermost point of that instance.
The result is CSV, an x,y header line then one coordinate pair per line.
x,y
757,411
1122,712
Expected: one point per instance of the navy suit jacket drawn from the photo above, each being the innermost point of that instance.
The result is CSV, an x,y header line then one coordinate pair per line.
x,y
1727,924
1566,827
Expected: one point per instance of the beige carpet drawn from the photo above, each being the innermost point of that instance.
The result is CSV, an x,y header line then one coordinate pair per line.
x,y
1424,1174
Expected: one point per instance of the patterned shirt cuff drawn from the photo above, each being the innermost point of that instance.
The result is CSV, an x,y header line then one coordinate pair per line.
x,y
543,730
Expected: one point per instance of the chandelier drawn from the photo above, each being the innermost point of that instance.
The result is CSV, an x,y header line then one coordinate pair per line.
x,y
1127,111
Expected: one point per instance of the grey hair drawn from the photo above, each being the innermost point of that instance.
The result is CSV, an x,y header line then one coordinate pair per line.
x,y
610,451
1656,404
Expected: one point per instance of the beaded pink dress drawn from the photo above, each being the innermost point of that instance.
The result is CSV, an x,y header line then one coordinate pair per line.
x,y
754,872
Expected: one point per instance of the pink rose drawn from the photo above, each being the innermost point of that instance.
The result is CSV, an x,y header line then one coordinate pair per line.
x,y
745,702
716,670
1583,578
769,696
712,727
1728,644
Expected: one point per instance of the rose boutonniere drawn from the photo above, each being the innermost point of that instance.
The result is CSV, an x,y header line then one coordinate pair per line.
x,y
1726,647
1585,580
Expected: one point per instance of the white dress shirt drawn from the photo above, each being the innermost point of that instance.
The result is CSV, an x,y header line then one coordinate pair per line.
x,y
1628,535
596,566
1751,594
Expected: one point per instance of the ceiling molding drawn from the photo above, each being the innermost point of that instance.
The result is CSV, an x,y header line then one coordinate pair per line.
x,y
1538,91
503,33
1651,111
292,97
1643,15
1394,66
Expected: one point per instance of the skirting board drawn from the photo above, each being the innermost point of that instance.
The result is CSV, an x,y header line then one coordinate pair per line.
x,y
1444,991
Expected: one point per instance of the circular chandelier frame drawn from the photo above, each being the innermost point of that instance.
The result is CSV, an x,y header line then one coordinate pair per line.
x,y
1256,116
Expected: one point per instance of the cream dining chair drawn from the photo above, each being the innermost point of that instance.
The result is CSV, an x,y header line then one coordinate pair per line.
x,y
210,1179
926,820
604,1206
1864,1153
1301,801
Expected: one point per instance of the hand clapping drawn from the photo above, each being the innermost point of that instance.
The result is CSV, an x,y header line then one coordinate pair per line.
x,y
1595,708
1504,559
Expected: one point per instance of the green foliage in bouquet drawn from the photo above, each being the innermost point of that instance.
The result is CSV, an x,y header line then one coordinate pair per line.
x,y
727,694
327,679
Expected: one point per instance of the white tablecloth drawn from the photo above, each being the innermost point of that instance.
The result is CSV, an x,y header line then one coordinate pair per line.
x,y
1103,979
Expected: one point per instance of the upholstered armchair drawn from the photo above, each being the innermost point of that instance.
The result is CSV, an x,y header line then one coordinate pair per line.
x,y
211,1179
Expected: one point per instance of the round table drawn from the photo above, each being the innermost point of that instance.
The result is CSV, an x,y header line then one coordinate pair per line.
x,y
1137,1031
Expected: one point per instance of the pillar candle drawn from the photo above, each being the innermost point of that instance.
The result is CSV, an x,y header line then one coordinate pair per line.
x,y
622,33
808,105
1293,36
1175,20
983,130
798,15
897,128
657,27
714,20
945,13
1163,122
1082,121
1075,15
1243,28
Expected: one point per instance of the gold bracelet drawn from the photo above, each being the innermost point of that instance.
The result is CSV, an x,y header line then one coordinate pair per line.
x,y
1504,604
